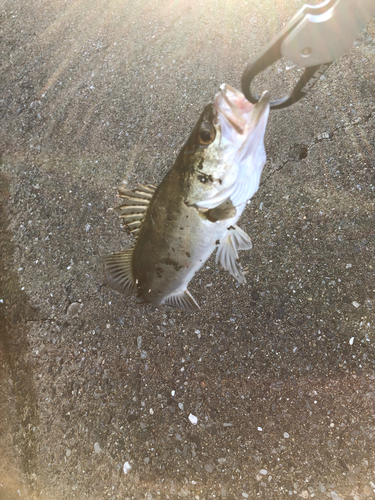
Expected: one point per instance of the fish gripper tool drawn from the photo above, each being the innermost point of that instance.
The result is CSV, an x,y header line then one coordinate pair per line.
x,y
314,38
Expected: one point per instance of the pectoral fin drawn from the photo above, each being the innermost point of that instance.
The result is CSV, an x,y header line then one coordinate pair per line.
x,y
182,300
118,272
224,211
227,253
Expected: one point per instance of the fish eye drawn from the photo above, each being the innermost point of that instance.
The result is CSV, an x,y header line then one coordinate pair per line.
x,y
206,135
202,179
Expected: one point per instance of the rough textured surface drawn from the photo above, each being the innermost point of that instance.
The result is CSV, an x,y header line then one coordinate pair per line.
x,y
269,392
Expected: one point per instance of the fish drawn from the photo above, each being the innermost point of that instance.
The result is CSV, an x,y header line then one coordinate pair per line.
x,y
195,208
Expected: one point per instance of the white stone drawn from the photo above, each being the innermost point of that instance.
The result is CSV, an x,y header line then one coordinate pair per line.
x,y
126,467
73,309
335,496
321,487
286,435
193,419
356,304
97,448
351,341
263,472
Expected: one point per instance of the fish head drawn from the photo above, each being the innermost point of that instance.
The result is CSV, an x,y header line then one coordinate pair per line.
x,y
224,156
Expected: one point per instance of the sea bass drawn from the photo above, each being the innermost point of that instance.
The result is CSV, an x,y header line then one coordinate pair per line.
x,y
195,208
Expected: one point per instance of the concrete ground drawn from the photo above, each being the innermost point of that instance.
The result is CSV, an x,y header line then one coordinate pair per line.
x,y
280,372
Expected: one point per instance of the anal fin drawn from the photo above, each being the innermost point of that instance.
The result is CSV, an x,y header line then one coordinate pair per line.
x,y
118,272
182,300
227,253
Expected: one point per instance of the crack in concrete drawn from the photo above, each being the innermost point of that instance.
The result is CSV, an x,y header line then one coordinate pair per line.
x,y
325,136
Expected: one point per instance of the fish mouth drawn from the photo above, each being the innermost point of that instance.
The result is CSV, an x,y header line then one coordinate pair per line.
x,y
232,106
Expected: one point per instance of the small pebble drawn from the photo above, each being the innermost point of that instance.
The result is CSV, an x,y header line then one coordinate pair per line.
x,y
193,419
73,309
335,496
68,453
351,478
97,448
173,393
286,435
321,487
139,341
260,429
181,406
127,467
209,468
351,341
161,341
355,304
367,490
245,495
263,472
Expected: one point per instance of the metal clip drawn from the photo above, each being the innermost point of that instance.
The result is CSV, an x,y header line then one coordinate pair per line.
x,y
314,38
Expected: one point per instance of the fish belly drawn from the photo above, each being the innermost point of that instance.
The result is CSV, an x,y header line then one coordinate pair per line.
x,y
172,254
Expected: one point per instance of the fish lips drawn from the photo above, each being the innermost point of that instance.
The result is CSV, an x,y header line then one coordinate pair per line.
x,y
237,112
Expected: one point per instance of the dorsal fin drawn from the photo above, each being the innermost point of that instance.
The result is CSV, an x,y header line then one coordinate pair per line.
x,y
118,271
134,206
143,192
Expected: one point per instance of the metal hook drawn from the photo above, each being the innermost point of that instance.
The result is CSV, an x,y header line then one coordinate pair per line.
x,y
314,38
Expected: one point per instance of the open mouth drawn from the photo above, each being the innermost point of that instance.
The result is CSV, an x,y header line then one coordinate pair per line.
x,y
238,111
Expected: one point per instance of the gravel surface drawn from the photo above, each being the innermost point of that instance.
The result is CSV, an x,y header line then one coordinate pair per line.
x,y
269,391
